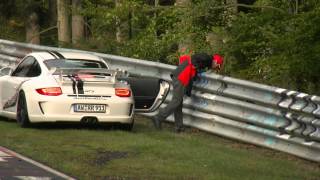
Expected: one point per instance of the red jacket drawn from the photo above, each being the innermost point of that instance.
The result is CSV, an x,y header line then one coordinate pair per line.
x,y
189,72
186,72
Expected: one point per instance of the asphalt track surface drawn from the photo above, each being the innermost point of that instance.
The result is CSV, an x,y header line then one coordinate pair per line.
x,y
14,166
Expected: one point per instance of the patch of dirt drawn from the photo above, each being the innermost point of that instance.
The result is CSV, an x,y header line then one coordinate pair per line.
x,y
103,157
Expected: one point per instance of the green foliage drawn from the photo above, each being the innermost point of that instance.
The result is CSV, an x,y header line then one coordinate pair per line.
x,y
11,29
281,49
156,31
14,15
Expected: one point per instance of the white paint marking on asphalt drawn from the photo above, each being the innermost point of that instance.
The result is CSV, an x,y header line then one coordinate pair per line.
x,y
4,156
10,154
32,178
3,159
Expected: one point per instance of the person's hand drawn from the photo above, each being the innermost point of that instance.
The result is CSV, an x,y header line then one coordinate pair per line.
x,y
217,63
218,68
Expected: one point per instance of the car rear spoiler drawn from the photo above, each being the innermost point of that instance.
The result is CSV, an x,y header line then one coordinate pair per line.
x,y
74,71
84,73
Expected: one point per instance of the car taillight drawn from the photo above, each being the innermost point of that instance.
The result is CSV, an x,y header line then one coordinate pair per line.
x,y
51,91
122,92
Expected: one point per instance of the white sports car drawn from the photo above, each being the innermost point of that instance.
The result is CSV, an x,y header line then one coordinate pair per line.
x,y
74,87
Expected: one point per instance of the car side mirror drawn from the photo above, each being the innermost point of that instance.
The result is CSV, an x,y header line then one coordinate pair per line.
x,y
5,71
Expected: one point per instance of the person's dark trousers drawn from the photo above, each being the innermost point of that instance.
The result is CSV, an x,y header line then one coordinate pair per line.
x,y
175,105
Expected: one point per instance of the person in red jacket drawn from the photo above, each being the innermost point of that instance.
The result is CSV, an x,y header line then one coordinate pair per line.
x,y
182,81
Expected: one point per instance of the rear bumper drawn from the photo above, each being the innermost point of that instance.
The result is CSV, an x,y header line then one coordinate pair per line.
x,y
61,109
78,118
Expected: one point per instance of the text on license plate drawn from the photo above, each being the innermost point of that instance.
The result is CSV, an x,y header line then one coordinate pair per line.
x,y
94,108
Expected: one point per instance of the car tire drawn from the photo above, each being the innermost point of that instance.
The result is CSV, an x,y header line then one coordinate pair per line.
x,y
22,111
127,127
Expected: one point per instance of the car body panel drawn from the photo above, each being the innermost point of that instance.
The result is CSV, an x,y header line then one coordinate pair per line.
x,y
91,90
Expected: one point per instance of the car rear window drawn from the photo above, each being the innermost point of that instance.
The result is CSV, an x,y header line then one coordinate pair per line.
x,y
73,63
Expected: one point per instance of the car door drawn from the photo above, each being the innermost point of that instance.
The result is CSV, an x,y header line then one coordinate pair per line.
x,y
27,69
149,93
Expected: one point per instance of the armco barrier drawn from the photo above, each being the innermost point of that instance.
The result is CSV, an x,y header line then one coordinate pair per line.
x,y
272,117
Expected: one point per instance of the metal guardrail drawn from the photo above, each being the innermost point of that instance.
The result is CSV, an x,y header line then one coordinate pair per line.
x,y
268,116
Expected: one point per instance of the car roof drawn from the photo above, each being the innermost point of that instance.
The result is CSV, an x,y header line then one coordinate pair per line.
x,y
65,55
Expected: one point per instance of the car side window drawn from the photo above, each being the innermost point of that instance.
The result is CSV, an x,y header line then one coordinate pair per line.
x,y
29,67
35,70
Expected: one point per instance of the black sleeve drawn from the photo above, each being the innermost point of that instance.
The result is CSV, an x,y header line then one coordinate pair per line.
x,y
189,88
190,85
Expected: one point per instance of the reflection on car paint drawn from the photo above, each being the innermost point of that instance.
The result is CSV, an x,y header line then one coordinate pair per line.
x,y
13,100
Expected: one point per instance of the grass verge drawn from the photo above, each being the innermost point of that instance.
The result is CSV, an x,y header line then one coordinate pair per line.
x,y
104,153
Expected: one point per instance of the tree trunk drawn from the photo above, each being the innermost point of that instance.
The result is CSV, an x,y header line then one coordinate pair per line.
x,y
124,26
53,12
230,12
185,46
234,9
77,22
121,28
63,22
182,2
156,5
215,41
130,25
32,29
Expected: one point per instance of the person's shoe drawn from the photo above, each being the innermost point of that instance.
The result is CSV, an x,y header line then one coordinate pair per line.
x,y
156,123
179,129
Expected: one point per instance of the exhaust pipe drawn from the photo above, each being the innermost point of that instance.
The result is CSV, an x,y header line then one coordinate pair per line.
x,y
89,120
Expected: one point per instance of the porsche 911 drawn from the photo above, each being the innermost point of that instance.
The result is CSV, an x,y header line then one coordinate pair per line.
x,y
75,87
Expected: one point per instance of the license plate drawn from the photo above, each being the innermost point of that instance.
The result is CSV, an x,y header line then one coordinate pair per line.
x,y
90,108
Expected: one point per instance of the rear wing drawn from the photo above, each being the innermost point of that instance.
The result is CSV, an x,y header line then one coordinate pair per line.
x,y
85,74
92,71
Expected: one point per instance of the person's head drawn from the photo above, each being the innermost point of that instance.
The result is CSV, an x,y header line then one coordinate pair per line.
x,y
202,61
217,62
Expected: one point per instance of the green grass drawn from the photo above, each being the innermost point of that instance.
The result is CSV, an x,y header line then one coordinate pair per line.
x,y
102,153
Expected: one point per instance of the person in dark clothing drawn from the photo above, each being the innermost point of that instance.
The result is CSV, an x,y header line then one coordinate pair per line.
x,y
182,81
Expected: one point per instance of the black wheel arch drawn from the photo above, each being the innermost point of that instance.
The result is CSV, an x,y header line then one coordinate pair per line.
x,y
22,115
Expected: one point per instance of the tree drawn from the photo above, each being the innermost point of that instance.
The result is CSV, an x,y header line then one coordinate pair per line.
x,y
276,45
182,2
234,9
186,44
120,26
77,22
32,29
52,12
63,22
123,20
31,10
